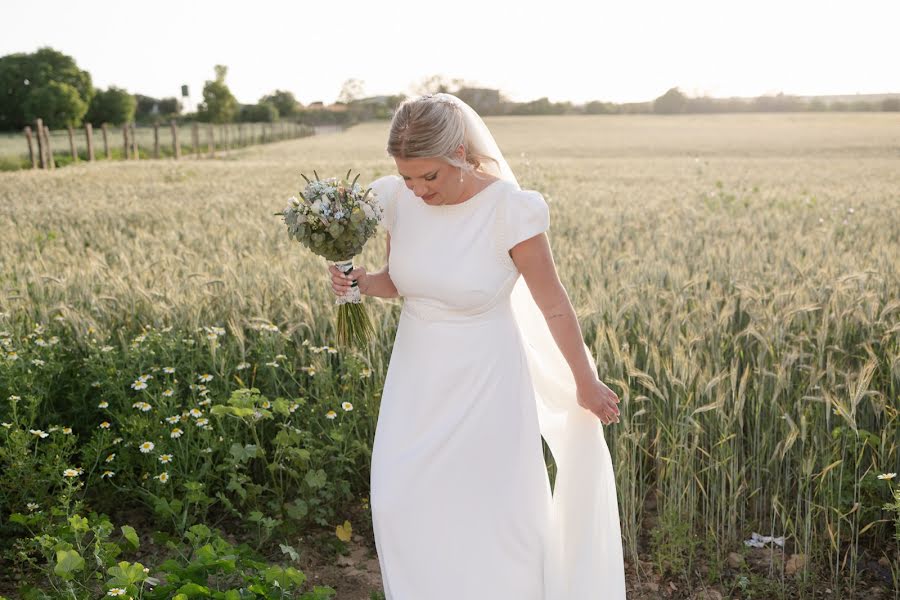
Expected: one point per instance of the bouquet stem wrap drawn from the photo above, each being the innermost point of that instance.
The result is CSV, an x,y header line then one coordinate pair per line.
x,y
353,323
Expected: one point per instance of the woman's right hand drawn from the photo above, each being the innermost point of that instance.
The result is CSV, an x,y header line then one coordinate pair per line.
x,y
340,283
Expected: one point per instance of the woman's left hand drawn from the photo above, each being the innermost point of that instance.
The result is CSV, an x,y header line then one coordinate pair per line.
x,y
596,397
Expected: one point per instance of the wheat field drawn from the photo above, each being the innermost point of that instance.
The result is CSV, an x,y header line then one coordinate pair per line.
x,y
737,277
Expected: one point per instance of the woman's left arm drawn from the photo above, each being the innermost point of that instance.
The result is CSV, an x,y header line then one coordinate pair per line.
x,y
534,260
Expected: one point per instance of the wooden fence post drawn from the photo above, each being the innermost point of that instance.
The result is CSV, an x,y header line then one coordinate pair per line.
x,y
176,147
195,138
155,140
72,144
42,148
240,135
31,155
50,160
89,138
135,150
125,149
211,140
106,141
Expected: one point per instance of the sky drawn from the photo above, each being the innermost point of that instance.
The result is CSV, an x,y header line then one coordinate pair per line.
x,y
565,50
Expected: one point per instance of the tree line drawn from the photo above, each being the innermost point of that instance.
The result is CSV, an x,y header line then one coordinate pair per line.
x,y
48,84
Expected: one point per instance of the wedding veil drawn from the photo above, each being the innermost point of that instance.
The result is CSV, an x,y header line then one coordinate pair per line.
x,y
583,558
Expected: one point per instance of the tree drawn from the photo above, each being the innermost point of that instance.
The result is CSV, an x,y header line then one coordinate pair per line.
x,y
58,104
264,112
436,84
672,102
22,75
219,104
115,106
351,90
284,101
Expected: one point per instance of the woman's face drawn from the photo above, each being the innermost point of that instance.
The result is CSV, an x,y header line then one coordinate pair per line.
x,y
431,179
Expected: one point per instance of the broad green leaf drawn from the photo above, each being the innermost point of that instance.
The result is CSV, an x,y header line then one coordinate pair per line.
x,y
315,479
67,562
131,535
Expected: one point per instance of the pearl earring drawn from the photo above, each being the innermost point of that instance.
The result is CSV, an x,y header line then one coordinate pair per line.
x,y
460,176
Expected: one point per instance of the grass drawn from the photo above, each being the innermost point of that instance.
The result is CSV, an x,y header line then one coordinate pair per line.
x,y
737,276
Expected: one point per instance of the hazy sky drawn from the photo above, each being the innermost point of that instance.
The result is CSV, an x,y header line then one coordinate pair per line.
x,y
578,50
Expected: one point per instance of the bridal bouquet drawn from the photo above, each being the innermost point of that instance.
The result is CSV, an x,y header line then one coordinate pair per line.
x,y
334,218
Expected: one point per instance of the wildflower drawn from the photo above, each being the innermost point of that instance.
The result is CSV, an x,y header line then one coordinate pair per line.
x,y
206,402
95,384
72,472
169,370
37,362
145,377
54,340
202,422
204,393
143,406
272,364
33,506
103,404
11,356
242,366
346,406
7,425
14,398
38,433
104,425
67,430
887,476
204,378
139,339
163,477
53,428
330,414
115,592
165,458
173,419
196,412
305,343
117,441
294,406
40,342
147,447
365,372
139,385
110,457
176,433
331,350
281,357
168,393
266,404
107,474
106,349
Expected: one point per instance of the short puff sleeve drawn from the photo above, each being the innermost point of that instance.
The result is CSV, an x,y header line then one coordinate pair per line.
x,y
386,190
526,215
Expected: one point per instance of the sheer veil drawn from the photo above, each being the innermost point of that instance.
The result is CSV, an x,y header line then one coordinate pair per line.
x,y
584,545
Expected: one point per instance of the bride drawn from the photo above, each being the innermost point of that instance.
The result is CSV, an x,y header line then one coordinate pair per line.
x,y
484,363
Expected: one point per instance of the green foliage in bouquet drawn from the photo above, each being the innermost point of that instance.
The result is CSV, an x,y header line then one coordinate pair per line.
x,y
333,218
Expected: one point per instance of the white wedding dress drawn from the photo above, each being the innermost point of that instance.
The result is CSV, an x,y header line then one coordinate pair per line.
x,y
461,500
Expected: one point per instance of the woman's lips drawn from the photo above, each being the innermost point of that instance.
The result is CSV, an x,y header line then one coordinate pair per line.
x,y
429,196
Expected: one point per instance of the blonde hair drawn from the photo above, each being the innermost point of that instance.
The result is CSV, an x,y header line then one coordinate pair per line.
x,y
433,127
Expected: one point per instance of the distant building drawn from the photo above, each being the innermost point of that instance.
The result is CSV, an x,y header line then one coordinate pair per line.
x,y
317,105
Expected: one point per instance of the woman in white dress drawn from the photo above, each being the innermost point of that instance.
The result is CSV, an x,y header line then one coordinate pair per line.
x,y
484,363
